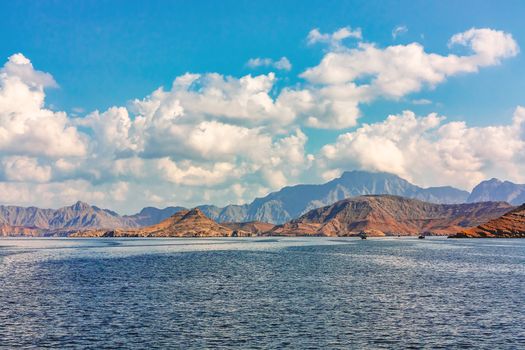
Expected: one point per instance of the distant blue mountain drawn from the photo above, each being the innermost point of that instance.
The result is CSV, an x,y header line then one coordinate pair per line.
x,y
497,190
151,215
293,201
277,207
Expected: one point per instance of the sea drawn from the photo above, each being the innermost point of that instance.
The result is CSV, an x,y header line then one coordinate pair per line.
x,y
262,293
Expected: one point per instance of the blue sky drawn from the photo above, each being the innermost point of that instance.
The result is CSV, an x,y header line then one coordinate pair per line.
x,y
107,53
103,53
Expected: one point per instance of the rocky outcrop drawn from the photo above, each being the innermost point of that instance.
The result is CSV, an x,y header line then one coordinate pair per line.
x,y
390,215
510,225
185,223
13,231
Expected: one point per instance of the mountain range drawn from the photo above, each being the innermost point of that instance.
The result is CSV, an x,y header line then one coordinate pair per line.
x,y
293,201
375,215
387,215
277,207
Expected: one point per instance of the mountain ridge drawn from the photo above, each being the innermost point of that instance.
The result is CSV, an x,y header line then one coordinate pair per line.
x,y
509,225
497,190
184,223
277,207
380,215
292,201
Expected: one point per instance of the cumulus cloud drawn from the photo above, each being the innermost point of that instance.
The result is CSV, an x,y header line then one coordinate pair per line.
x,y
26,126
430,151
222,139
350,77
20,169
282,64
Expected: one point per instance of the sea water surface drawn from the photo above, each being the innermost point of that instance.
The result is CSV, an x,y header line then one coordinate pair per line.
x,y
303,293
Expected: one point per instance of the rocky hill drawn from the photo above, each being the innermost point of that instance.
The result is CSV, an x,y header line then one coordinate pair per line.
x,y
497,190
380,215
253,227
185,223
510,225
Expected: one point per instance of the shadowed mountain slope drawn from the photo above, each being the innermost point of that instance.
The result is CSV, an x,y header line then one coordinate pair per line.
x,y
510,225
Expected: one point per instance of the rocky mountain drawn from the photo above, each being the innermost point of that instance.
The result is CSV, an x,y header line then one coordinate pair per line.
x,y
380,215
48,221
291,202
278,207
80,215
185,223
510,225
497,190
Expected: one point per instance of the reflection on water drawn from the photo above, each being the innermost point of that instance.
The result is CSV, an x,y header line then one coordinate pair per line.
x,y
262,293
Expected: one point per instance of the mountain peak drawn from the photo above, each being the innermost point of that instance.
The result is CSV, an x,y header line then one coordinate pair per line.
x,y
79,205
195,212
493,181
357,172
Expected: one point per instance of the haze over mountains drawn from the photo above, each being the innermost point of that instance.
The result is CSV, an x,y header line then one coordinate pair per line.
x,y
277,208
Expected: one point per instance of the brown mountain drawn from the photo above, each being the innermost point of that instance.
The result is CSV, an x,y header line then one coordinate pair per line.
x,y
254,227
380,215
185,223
510,225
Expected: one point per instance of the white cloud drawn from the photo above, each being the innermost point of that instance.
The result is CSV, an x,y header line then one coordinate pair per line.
x,y
282,64
346,78
421,101
334,40
489,46
430,152
399,30
119,191
26,126
222,139
20,169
